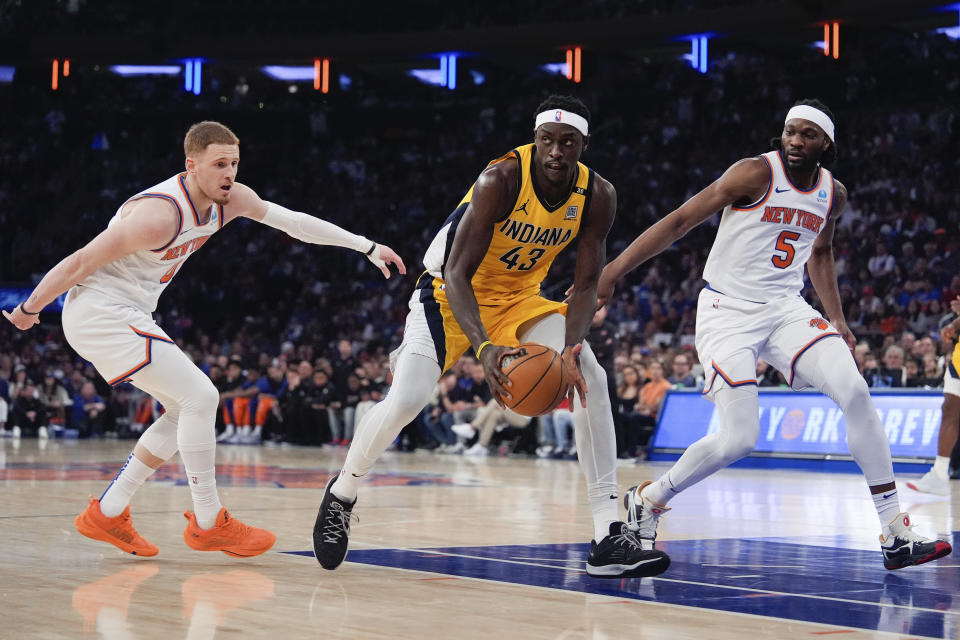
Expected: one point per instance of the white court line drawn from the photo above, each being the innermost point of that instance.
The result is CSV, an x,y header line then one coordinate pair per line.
x,y
691,582
761,566
670,605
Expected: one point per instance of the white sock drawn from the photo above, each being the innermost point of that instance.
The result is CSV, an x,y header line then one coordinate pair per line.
x,y
117,496
206,502
941,467
660,492
346,486
888,507
604,508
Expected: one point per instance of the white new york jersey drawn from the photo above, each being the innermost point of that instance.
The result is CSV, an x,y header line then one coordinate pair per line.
x,y
761,249
139,278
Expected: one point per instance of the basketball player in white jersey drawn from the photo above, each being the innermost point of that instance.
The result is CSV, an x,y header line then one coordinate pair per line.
x,y
779,214
114,283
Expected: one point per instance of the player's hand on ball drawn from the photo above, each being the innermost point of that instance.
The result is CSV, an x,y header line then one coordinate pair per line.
x,y
497,380
575,382
21,320
384,255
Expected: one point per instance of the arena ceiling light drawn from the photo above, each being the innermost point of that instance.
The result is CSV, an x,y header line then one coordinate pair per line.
x,y
302,73
146,69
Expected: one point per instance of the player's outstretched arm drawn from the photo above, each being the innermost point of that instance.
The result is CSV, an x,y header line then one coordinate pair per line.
x,y
582,303
823,271
248,204
493,197
746,180
149,223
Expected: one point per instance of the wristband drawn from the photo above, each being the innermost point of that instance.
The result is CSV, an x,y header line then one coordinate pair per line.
x,y
482,345
25,312
371,249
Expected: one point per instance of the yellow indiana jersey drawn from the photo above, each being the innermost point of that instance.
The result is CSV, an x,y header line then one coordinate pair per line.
x,y
955,360
525,242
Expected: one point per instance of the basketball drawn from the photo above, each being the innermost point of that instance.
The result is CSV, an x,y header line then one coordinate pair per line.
x,y
537,378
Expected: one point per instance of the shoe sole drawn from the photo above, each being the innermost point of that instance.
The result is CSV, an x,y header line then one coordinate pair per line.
x,y
643,569
933,493
232,551
911,562
95,533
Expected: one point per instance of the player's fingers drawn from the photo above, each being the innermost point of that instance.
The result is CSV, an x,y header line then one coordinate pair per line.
x,y
402,268
386,272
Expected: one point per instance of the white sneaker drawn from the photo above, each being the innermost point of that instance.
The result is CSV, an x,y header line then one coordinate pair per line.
x,y
544,451
42,433
255,436
16,432
643,516
228,433
477,451
464,430
931,483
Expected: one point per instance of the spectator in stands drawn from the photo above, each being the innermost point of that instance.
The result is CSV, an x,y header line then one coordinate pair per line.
x,y
892,373
682,378
556,433
294,403
88,412
651,395
55,399
28,416
631,422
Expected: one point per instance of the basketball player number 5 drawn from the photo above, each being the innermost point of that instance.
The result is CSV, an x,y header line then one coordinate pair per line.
x,y
783,244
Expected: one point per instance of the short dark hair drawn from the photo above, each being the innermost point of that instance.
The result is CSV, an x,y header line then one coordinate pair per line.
x,y
567,103
830,155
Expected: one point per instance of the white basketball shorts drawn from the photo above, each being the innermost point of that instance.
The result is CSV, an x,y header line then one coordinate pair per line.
x,y
733,333
117,338
951,381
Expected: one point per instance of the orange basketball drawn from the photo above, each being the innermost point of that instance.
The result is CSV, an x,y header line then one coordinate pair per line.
x,y
537,378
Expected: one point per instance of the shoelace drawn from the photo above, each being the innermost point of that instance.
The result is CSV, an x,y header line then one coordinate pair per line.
x,y
337,524
627,538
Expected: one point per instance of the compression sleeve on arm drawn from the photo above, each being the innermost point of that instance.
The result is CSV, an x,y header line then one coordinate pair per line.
x,y
311,229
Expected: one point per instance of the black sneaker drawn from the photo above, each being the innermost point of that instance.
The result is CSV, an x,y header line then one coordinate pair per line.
x,y
620,555
904,547
332,529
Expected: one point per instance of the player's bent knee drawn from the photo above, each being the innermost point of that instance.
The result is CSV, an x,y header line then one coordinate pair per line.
x,y
204,398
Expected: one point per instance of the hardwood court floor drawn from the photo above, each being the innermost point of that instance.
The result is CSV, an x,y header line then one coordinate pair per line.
x,y
448,547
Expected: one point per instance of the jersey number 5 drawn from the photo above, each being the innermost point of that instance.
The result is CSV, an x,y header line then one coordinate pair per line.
x,y
783,244
512,257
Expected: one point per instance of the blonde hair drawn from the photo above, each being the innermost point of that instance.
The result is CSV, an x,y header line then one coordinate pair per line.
x,y
203,134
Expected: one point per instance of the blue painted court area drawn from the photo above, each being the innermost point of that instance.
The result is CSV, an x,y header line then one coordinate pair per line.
x,y
778,578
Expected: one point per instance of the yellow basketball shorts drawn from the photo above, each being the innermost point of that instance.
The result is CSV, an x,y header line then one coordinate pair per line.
x,y
432,331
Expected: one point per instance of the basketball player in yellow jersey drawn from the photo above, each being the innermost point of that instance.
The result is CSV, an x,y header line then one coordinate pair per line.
x,y
482,289
937,480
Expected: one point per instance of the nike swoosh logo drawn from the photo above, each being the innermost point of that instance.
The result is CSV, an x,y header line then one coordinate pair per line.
x,y
887,495
779,190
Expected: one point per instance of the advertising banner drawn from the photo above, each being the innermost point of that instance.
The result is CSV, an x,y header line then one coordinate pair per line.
x,y
807,424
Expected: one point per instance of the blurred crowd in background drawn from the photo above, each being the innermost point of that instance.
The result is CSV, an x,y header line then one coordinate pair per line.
x,y
297,337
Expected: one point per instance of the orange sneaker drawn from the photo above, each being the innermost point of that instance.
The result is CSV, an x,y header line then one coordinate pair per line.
x,y
228,535
117,531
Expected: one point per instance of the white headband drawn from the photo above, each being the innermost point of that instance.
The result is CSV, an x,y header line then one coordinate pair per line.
x,y
563,117
814,115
